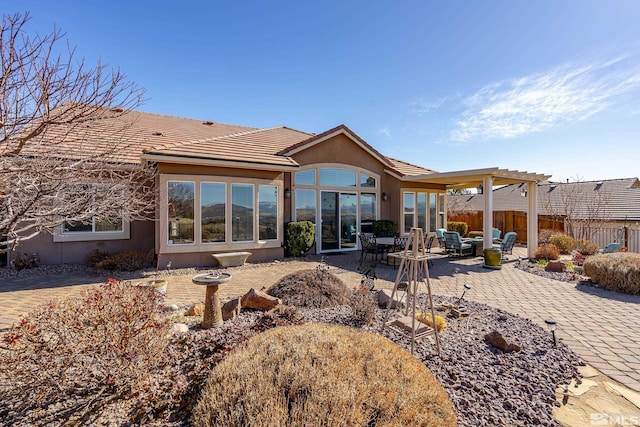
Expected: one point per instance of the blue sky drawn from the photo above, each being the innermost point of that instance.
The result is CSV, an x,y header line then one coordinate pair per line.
x,y
547,86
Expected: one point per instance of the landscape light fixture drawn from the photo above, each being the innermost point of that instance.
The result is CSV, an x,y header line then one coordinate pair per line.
x,y
553,325
466,288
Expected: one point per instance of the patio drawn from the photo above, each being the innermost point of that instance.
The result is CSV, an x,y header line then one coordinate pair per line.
x,y
600,326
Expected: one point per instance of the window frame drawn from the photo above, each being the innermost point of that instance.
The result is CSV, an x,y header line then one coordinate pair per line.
x,y
440,199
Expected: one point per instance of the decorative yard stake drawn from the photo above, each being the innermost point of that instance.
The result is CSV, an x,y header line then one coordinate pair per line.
x,y
414,269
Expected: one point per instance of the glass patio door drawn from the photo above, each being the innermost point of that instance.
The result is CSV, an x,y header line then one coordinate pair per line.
x,y
338,216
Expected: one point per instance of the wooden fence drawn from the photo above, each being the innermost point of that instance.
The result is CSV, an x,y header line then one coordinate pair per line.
x,y
507,221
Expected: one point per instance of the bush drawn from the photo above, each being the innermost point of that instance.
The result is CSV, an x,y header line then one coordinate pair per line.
x,y
25,261
618,271
363,305
311,288
460,227
322,375
385,228
120,261
564,243
427,319
70,358
547,252
586,248
544,234
298,237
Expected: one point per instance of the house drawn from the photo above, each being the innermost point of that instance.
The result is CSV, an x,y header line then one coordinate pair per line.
x,y
601,211
228,188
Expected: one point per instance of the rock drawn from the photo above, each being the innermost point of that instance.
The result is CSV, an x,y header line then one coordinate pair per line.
x,y
384,298
496,339
259,300
231,309
196,310
170,308
179,328
556,266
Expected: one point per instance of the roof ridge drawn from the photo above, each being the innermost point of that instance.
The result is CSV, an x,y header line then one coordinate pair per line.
x,y
211,139
589,181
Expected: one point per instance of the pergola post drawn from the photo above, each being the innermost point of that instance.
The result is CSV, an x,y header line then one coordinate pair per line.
x,y
532,219
487,226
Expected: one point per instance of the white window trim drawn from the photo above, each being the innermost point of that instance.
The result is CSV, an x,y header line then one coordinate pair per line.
x,y
229,244
415,192
87,236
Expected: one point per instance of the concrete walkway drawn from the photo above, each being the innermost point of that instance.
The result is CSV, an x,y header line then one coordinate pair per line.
x,y
602,327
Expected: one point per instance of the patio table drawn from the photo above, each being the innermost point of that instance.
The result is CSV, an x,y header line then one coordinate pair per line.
x,y
212,310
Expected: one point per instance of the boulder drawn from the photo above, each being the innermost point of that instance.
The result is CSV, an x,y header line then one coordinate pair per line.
x,y
556,266
496,339
384,298
179,328
231,309
195,310
259,300
170,308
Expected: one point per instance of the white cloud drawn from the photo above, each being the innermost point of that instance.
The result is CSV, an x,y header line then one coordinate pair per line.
x,y
422,107
385,131
566,94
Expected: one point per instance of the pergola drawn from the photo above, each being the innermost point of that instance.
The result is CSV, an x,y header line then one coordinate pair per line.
x,y
487,178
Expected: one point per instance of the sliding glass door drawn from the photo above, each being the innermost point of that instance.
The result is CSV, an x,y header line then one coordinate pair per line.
x,y
338,214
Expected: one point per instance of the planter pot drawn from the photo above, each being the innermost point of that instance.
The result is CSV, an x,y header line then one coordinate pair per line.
x,y
492,258
158,285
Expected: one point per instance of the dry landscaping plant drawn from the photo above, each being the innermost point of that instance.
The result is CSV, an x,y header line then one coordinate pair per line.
x,y
547,251
586,248
68,359
121,261
564,243
311,288
618,271
322,375
363,305
427,319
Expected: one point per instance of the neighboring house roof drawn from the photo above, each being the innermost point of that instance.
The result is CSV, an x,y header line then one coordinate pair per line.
x,y
612,200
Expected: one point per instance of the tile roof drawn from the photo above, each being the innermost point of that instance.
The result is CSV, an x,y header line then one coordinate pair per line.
x,y
611,200
408,169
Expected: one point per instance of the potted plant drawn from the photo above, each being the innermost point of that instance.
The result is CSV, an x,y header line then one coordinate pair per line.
x,y
492,258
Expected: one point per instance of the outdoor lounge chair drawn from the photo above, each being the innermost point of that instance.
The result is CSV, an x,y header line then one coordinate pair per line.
x,y
455,245
368,245
506,246
495,235
440,233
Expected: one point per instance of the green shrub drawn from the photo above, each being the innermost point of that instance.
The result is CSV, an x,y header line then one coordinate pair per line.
x,y
475,234
618,271
311,288
298,237
322,375
564,243
586,248
70,358
547,251
385,228
460,227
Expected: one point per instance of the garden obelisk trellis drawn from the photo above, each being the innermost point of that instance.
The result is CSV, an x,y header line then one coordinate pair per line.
x,y
414,269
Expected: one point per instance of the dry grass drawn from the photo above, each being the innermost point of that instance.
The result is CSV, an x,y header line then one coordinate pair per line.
x,y
364,305
619,271
311,288
322,375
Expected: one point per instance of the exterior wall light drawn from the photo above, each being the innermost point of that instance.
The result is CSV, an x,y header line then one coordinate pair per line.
x,y
479,189
385,196
287,193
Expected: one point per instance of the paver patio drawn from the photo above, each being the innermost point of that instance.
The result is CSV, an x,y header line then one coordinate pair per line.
x,y
600,326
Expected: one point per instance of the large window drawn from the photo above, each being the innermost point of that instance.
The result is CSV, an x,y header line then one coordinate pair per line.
x,y
268,212
306,205
420,209
213,211
93,226
242,212
330,177
223,213
307,177
181,203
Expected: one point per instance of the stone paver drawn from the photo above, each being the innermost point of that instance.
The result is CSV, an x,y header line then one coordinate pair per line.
x,y
600,326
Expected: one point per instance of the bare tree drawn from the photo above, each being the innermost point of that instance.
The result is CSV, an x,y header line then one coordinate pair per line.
x,y
67,139
583,206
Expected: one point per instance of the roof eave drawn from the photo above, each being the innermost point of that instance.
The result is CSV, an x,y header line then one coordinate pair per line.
x,y
236,164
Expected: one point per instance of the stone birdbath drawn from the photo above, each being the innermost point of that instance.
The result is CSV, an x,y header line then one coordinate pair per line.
x,y
212,309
